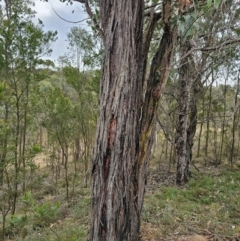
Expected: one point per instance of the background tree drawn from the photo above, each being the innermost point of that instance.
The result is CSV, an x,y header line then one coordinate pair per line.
x,y
23,44
200,70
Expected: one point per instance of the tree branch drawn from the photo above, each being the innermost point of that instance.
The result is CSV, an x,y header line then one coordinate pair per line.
x,y
80,1
66,19
212,48
154,17
152,6
221,45
91,15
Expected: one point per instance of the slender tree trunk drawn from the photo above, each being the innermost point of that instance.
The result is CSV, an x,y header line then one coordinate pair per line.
x,y
24,135
215,136
199,138
65,153
193,116
234,124
16,156
4,148
181,140
223,122
41,135
208,120
76,161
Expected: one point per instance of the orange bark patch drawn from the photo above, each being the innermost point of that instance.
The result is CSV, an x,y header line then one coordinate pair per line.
x,y
112,132
111,140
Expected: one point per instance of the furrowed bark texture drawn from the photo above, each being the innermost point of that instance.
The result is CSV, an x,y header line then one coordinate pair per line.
x,y
127,117
115,199
159,73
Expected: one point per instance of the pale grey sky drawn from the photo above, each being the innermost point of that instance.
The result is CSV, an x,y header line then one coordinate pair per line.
x,y
51,21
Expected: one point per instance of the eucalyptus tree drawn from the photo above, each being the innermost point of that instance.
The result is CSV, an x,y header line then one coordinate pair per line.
x,y
201,61
127,112
85,85
84,48
235,121
129,96
59,120
23,43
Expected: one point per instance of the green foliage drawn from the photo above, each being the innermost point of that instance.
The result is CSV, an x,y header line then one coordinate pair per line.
x,y
18,222
45,213
188,25
28,201
40,214
43,222
35,149
217,3
84,48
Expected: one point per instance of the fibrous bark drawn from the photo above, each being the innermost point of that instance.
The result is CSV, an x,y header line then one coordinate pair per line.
x,y
115,211
127,118
181,140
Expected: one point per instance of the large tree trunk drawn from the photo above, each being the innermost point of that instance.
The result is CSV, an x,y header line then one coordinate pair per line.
x,y
115,208
127,118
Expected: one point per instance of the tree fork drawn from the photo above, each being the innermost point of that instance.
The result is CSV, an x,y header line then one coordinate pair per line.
x,y
127,118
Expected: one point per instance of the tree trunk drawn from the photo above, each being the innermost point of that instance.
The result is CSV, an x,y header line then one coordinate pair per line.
x,y
234,124
4,146
199,137
41,135
193,115
181,140
223,121
126,120
208,121
115,207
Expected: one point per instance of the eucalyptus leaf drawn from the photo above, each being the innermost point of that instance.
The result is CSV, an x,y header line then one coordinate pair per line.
x,y
217,3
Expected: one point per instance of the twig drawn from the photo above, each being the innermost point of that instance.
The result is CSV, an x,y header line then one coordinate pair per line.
x,y
66,19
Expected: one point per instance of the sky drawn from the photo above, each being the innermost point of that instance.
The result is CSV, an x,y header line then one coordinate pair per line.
x,y
51,21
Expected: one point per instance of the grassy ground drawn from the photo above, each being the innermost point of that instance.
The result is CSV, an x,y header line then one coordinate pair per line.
x,y
209,205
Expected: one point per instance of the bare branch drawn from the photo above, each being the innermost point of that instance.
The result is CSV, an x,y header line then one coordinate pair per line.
x,y
66,19
212,48
167,136
152,6
154,17
221,45
80,1
90,13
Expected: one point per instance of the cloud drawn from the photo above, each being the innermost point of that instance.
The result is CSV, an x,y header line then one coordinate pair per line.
x,y
51,20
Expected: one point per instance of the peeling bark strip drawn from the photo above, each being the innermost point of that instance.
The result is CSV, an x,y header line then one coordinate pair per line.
x,y
115,212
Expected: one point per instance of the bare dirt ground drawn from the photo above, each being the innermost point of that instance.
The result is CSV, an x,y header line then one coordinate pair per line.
x,y
41,160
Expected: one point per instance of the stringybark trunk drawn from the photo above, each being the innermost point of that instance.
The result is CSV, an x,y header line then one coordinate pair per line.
x,y
181,140
193,116
115,200
127,118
